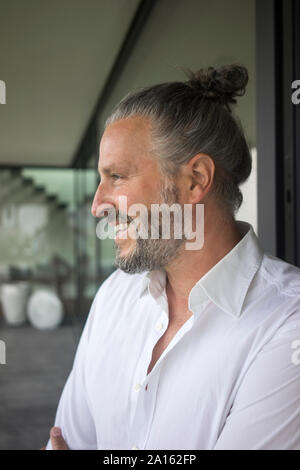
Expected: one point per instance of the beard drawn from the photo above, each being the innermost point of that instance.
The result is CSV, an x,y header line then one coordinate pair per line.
x,y
153,254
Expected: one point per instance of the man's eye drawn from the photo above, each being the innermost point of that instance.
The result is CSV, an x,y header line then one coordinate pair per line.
x,y
116,177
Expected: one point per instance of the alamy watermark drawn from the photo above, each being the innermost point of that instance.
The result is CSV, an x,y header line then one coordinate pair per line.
x,y
295,358
2,352
296,94
161,224
2,92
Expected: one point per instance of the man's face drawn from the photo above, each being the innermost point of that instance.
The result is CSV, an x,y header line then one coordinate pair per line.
x,y
128,168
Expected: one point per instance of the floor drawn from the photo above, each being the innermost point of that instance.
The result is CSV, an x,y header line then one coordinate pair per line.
x,y
37,366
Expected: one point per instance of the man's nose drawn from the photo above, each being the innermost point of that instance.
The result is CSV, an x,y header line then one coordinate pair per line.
x,y
95,203
99,206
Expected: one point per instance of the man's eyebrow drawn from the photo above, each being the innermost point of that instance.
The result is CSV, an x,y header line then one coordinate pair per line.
x,y
112,168
108,169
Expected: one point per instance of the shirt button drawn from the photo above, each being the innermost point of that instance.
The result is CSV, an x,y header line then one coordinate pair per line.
x,y
137,387
159,326
134,448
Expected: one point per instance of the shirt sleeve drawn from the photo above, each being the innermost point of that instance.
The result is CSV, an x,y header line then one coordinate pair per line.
x,y
73,414
266,411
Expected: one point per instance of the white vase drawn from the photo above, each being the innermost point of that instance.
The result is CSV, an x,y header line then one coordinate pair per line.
x,y
45,310
14,300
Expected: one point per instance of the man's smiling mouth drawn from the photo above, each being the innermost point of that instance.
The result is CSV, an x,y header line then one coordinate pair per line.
x,y
121,228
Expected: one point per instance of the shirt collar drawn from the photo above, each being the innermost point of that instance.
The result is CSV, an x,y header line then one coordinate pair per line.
x,y
226,283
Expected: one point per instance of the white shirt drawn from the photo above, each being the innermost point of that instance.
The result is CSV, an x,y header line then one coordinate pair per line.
x,y
229,379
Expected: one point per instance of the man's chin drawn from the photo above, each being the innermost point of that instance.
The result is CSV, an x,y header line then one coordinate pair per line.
x,y
142,257
124,248
128,267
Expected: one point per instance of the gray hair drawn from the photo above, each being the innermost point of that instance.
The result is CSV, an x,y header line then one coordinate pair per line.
x,y
194,117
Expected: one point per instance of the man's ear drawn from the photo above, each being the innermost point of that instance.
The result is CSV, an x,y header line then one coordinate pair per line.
x,y
200,172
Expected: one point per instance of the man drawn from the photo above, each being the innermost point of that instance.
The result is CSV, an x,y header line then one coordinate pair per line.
x,y
183,348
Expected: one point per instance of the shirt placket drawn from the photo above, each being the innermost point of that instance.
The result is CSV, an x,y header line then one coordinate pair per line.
x,y
145,387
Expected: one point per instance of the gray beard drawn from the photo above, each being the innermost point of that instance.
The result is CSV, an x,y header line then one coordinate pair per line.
x,y
152,254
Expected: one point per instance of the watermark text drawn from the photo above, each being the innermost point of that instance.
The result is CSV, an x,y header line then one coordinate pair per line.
x,y
2,92
295,358
296,94
166,221
2,352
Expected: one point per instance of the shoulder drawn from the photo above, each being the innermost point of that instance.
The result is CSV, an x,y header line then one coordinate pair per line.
x,y
274,299
283,276
282,280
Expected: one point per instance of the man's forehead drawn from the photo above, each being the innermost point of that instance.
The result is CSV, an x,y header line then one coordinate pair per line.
x,y
125,145
125,134
112,157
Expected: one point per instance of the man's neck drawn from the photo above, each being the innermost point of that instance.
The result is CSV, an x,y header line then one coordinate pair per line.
x,y
190,266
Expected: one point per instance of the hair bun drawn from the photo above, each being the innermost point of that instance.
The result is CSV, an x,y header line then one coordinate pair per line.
x,y
223,84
